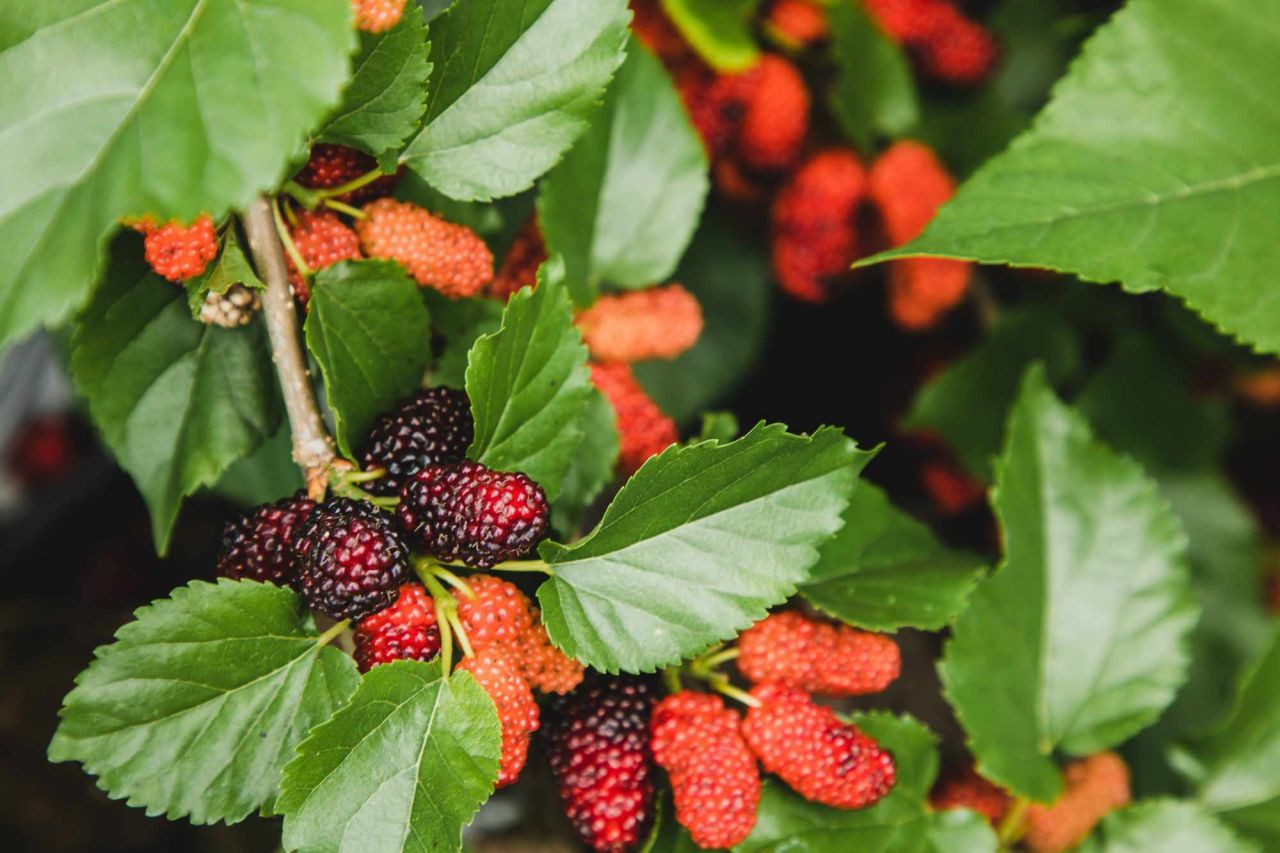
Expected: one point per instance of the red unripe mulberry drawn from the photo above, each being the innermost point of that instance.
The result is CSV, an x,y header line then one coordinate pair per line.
x,y
946,44
661,322
798,22
517,710
176,251
406,630
908,184
968,790
377,16
332,166
643,430
1093,787
448,257
520,266
713,774
818,657
821,758
767,107
815,224
322,239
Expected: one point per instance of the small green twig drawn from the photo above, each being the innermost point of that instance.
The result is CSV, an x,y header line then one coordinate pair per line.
x,y
353,212
454,581
456,624
334,630
350,186
507,566
446,635
1013,825
719,682
304,196
287,241
671,678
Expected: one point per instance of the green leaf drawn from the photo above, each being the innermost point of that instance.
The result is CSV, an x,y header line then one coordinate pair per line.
x,y
265,475
719,30
1241,759
1169,826
787,822
718,426
529,385
1119,180
959,831
591,468
460,322
175,400
199,702
174,109
230,268
1141,402
623,205
728,273
369,330
697,545
516,81
404,766
1091,610
387,96
874,94
884,570
968,401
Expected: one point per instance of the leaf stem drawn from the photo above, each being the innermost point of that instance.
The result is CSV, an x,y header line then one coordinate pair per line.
x,y
720,657
350,186
312,445
353,212
1013,824
507,566
446,637
456,624
333,631
671,679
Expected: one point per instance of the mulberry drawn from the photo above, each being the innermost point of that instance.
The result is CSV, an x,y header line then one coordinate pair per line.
x,y
322,239
817,657
661,322
450,258
176,251
643,430
815,224
1093,788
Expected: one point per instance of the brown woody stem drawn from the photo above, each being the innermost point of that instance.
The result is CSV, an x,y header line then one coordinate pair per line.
x,y
312,445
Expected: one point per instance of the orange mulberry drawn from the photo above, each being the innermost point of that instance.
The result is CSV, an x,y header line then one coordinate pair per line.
x,y
517,710
946,44
908,184
968,790
450,258
1093,787
376,16
661,322
322,239
817,656
176,251
766,111
798,22
643,430
520,266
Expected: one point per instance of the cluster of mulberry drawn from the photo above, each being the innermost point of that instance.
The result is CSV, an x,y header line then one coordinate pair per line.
x,y
436,253
831,211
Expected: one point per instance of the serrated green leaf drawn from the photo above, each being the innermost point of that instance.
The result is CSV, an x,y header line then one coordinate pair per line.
x,y
177,401
529,385
719,30
515,82
728,273
787,822
623,204
197,705
958,831
698,544
884,570
384,101
1169,826
403,766
1091,610
1119,178
368,329
591,468
1141,402
265,475
967,403
230,268
1241,759
173,109
874,93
